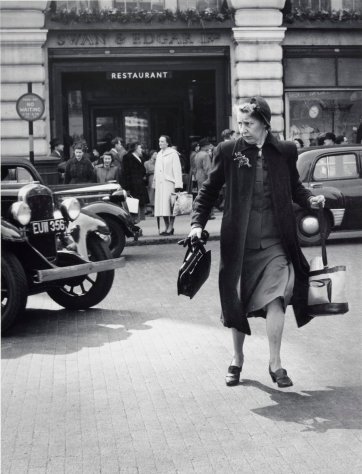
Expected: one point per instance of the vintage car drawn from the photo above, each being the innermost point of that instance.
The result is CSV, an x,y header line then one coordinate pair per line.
x,y
335,172
105,200
62,251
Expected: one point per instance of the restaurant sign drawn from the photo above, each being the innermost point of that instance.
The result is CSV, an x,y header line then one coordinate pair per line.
x,y
140,75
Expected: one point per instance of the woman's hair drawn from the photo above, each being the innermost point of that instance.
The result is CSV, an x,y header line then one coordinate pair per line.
x,y
300,141
194,145
108,155
151,153
78,146
252,109
168,139
133,146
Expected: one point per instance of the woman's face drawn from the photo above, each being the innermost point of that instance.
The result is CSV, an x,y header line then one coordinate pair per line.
x,y
78,153
107,160
154,156
139,150
162,143
251,129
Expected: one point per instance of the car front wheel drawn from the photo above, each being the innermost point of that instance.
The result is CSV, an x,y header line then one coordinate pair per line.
x,y
14,289
308,227
86,291
118,237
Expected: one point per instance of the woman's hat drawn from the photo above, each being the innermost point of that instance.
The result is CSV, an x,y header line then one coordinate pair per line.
x,y
262,108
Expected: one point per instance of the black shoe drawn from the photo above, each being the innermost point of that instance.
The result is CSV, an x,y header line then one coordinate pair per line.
x,y
233,376
280,377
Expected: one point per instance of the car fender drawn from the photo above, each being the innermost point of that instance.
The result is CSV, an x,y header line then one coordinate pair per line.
x,y
85,224
11,233
112,210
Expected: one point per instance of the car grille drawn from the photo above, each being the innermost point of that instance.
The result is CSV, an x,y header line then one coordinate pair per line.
x,y
40,201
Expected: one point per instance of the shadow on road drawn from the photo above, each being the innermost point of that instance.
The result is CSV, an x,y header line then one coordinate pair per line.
x,y
63,331
316,410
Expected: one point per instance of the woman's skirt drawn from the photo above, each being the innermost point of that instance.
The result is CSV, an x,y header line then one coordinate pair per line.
x,y
163,192
267,275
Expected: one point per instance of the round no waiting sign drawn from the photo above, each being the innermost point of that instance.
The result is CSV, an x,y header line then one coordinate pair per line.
x,y
30,107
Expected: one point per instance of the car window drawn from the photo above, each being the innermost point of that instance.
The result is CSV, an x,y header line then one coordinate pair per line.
x,y
16,174
336,167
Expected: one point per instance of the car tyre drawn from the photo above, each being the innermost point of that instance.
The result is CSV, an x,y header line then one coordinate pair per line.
x,y
118,236
314,238
14,290
84,292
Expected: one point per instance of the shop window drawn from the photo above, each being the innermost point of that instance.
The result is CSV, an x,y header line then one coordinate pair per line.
x,y
350,72
74,5
310,71
199,4
336,167
327,4
129,6
312,4
310,114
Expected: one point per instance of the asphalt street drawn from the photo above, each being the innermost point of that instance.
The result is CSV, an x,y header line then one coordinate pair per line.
x,y
136,384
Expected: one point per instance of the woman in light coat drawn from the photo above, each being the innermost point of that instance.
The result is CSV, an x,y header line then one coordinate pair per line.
x,y
167,180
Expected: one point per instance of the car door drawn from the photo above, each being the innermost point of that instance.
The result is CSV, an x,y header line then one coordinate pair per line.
x,y
341,170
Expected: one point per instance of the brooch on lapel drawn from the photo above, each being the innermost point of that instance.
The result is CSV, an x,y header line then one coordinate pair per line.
x,y
242,160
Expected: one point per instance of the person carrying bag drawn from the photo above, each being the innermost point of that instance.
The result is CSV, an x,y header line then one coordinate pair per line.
x,y
326,296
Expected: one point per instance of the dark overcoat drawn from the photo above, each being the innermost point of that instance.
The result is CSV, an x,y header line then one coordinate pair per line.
x,y
134,178
286,187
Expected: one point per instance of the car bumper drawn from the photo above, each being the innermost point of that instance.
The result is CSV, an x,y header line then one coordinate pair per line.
x,y
71,271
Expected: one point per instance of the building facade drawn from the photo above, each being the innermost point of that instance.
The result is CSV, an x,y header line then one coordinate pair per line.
x,y
177,73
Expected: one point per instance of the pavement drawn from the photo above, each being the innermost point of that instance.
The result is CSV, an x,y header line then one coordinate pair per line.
x,y
136,384
182,228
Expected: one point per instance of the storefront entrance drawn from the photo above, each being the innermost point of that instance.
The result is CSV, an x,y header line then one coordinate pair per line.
x,y
185,99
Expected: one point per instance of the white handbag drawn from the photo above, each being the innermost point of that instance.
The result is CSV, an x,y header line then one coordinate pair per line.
x,y
132,204
327,285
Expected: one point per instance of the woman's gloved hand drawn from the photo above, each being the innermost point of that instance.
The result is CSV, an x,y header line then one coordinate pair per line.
x,y
317,201
195,233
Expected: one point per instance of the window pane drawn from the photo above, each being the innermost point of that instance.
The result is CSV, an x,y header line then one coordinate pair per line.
x,y
310,114
131,5
75,115
336,167
137,127
310,71
350,72
78,5
199,4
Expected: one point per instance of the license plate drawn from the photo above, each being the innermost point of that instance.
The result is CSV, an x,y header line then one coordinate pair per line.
x,y
48,226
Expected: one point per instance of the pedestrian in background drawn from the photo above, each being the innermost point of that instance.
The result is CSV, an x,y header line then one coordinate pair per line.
x,y
329,139
228,134
202,162
192,183
261,265
167,180
298,143
150,173
134,178
79,169
107,171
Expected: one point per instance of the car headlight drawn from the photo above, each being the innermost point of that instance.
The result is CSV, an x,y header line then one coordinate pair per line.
x,y
21,212
70,208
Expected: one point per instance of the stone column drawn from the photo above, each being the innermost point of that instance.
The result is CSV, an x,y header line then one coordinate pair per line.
x,y
258,54
22,60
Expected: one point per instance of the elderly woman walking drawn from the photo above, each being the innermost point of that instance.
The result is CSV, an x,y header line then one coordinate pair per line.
x,y
262,268
167,179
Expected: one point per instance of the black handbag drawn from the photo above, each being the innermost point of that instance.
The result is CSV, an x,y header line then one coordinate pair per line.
x,y
195,269
326,296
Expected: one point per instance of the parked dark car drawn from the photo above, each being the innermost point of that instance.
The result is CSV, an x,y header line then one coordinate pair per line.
x,y
62,251
105,200
335,172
